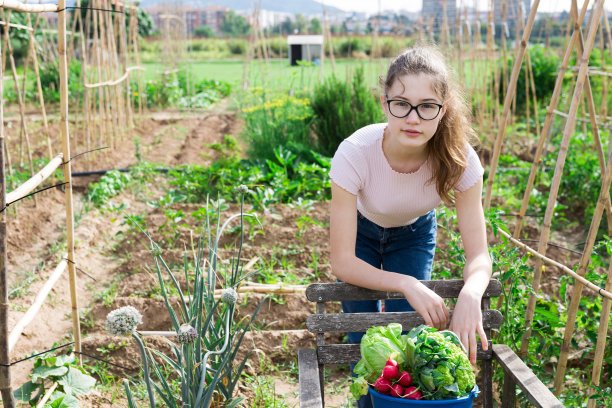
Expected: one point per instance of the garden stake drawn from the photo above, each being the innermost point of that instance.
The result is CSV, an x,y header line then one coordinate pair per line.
x,y
63,72
22,114
550,208
602,335
518,60
5,372
576,295
548,122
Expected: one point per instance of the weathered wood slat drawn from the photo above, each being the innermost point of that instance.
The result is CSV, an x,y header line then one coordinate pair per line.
x,y
336,291
537,393
350,353
310,388
360,322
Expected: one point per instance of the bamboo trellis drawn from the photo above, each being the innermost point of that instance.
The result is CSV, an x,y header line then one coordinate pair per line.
x,y
111,46
582,91
6,340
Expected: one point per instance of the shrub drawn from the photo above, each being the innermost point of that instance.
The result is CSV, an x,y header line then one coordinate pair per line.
x,y
340,108
275,121
544,64
237,46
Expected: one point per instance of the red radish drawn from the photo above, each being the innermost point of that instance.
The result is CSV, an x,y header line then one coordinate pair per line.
x,y
391,362
404,379
413,393
383,385
397,391
390,372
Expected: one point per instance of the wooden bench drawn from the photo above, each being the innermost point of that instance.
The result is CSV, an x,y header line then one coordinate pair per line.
x,y
311,362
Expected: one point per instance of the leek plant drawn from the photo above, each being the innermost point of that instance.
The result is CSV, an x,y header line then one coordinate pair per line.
x,y
207,337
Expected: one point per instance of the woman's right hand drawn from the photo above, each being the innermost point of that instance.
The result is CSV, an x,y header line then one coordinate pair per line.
x,y
426,302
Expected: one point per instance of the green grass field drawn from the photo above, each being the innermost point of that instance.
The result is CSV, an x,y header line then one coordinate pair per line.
x,y
278,74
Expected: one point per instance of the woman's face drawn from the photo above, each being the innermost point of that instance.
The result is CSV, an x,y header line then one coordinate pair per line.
x,y
412,131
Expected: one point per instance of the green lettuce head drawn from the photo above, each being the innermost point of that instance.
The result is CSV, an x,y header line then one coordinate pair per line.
x,y
378,345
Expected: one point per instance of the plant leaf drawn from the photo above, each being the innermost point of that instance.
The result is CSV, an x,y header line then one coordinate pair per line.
x,y
77,383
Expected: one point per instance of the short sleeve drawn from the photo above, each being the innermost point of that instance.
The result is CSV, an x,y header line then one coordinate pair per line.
x,y
472,173
348,168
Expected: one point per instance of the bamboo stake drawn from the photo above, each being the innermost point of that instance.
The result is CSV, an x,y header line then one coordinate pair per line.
x,y
98,61
84,70
36,304
328,39
111,95
29,186
5,372
46,397
550,208
41,98
63,72
501,131
124,58
22,114
549,117
604,203
604,321
28,8
596,289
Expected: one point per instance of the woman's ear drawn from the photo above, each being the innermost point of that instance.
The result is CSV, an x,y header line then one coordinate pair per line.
x,y
443,111
383,103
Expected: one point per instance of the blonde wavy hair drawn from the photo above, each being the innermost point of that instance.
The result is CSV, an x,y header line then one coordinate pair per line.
x,y
447,149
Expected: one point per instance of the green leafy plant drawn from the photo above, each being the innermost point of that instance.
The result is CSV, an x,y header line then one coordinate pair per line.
x,y
207,339
63,370
274,121
340,108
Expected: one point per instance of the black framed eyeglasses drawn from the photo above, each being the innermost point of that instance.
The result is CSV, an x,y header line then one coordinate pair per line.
x,y
426,111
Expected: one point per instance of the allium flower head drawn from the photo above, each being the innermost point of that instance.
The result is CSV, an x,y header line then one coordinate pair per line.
x,y
242,189
229,296
123,321
186,334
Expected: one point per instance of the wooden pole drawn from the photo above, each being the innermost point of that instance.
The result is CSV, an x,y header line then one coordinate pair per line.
x,y
5,372
41,98
556,181
22,114
63,73
501,131
603,203
554,101
36,304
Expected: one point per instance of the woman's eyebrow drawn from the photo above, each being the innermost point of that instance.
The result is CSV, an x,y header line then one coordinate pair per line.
x,y
420,101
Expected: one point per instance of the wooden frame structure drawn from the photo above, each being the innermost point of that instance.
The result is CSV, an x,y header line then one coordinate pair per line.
x,y
113,85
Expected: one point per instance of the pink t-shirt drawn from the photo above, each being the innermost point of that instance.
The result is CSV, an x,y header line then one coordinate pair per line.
x,y
384,196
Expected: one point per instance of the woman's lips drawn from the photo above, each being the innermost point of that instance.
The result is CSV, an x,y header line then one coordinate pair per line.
x,y
411,132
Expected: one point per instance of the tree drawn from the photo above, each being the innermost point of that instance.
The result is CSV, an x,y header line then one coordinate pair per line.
x,y
234,25
204,31
301,23
315,26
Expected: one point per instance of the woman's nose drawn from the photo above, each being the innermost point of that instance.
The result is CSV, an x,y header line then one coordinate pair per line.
x,y
413,116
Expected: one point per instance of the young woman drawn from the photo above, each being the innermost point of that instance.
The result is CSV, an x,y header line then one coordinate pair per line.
x,y
387,180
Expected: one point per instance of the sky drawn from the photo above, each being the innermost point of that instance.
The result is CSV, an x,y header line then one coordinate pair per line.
x,y
371,6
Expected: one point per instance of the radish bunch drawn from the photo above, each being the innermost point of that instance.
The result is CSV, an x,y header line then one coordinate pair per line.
x,y
395,383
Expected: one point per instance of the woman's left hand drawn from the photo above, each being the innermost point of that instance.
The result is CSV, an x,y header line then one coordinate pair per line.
x,y
466,323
